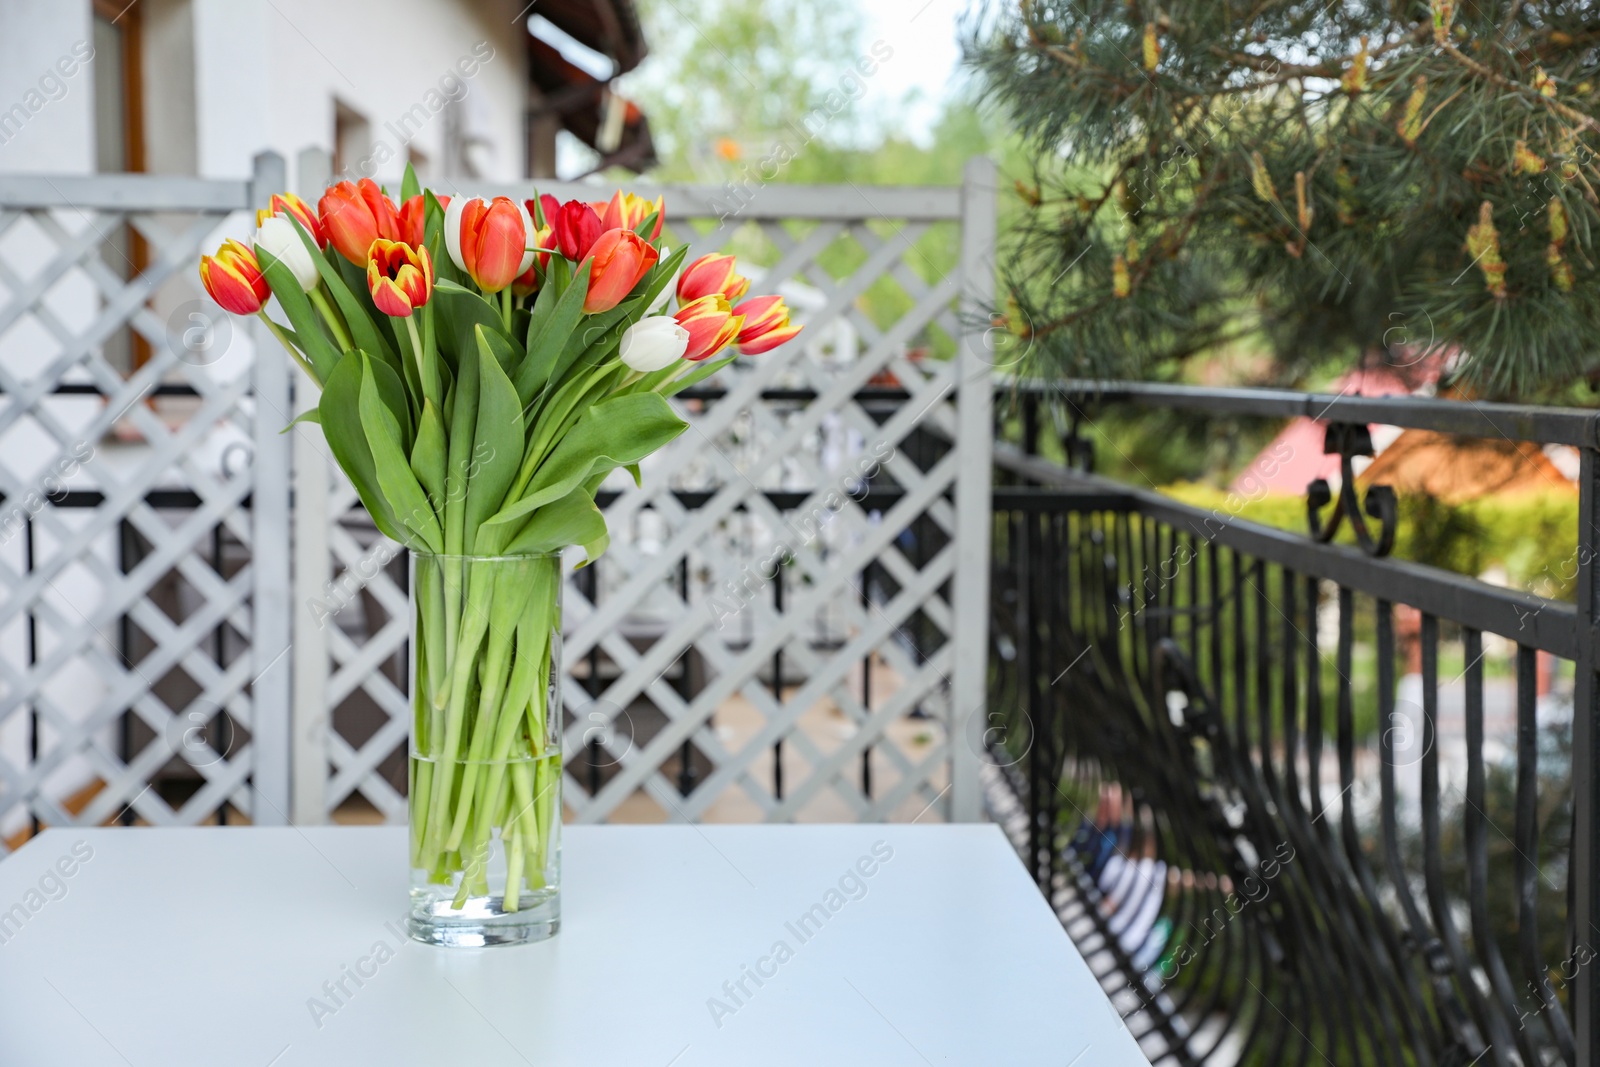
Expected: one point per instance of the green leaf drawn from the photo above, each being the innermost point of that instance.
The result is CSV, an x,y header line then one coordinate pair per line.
x,y
497,450
611,434
572,520
357,316
698,375
551,335
429,453
461,312
340,417
463,410
313,415
409,186
400,487
308,329
393,394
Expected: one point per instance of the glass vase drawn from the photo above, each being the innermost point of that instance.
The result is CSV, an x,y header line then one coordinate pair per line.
x,y
485,760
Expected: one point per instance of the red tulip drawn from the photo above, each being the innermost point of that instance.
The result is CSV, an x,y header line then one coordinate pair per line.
x,y
766,324
711,323
577,227
711,274
549,207
399,277
355,214
626,211
291,205
617,261
233,278
414,220
489,240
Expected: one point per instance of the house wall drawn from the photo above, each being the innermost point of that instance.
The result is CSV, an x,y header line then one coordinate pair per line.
x,y
225,79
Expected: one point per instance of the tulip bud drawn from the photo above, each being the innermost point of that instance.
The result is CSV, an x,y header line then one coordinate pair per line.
x,y
399,277
414,219
233,278
653,343
617,262
625,211
287,204
766,324
279,239
712,326
577,227
489,240
355,214
711,274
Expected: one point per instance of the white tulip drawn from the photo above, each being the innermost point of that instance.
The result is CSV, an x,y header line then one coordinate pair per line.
x,y
528,242
653,343
278,238
452,229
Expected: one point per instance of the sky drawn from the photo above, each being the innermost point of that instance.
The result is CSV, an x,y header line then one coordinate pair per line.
x,y
926,53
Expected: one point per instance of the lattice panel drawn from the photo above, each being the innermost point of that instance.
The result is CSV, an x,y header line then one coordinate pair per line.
x,y
142,675
699,685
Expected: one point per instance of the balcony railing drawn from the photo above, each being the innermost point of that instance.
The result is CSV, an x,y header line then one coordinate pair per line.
x,y
1273,849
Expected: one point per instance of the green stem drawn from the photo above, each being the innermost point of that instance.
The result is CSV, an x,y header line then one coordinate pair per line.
x,y
506,308
335,323
277,331
416,346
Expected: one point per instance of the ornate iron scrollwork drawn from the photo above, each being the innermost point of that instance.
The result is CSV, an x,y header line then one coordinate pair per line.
x,y
1348,440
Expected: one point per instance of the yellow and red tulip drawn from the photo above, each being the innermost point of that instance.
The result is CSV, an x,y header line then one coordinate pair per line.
x,y
577,228
489,239
618,260
711,274
712,324
626,211
399,277
414,219
355,214
233,278
289,205
530,280
766,324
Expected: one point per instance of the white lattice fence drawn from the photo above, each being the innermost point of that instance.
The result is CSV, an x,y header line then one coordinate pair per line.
x,y
144,609
700,683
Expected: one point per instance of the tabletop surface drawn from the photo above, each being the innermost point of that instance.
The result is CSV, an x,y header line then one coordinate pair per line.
x,y
236,947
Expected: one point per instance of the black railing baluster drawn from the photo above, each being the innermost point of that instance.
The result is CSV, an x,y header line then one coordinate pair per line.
x,y
1480,1039
1525,835
1475,838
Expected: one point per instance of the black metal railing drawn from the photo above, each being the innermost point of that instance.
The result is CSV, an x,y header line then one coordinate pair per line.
x,y
1297,801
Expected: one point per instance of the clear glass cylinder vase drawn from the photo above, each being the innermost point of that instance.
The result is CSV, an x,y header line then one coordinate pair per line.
x,y
485,761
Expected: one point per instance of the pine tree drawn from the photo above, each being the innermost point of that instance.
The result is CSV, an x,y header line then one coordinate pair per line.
x,y
1343,180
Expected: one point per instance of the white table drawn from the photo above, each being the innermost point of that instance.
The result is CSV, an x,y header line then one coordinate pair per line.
x,y
205,947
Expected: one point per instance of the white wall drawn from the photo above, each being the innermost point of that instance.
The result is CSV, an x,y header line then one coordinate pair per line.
x,y
269,74
54,130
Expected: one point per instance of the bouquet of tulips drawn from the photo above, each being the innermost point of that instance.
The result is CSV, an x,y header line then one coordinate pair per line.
x,y
484,365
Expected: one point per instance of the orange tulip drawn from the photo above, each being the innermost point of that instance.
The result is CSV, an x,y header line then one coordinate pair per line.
x,y
711,274
626,211
489,240
291,205
399,277
233,278
618,260
414,220
530,280
766,324
712,324
355,214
